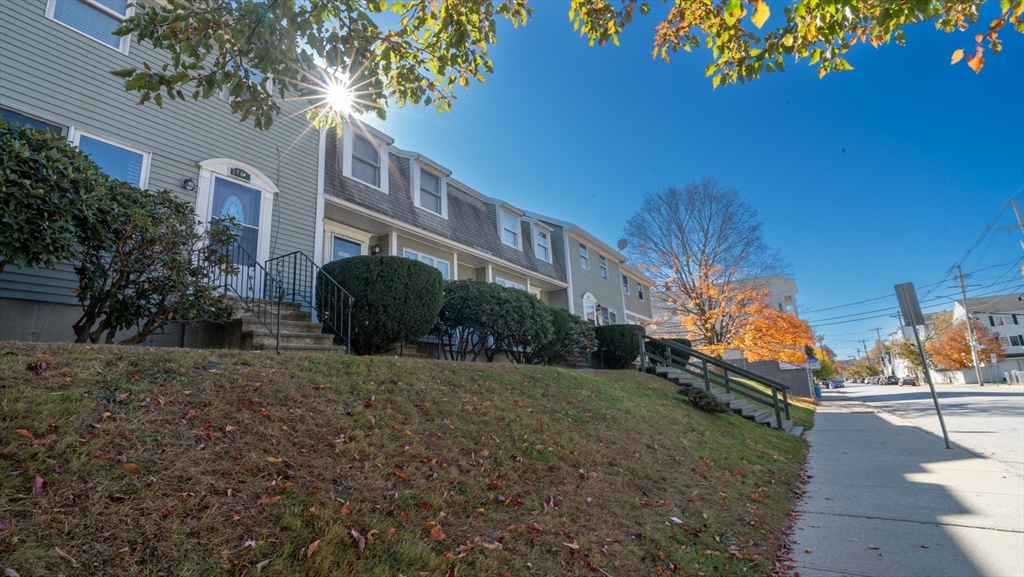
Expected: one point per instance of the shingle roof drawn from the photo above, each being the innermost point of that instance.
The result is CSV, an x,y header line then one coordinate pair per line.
x,y
1011,303
469,221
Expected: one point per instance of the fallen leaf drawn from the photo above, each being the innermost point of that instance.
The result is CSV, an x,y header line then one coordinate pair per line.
x,y
263,564
360,541
345,510
312,548
189,415
131,468
574,545
873,547
39,486
236,515
275,460
250,544
485,453
229,427
401,475
24,433
65,556
44,441
436,534
535,527
497,485
165,512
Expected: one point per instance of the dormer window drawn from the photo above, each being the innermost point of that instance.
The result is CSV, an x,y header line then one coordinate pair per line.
x,y
430,192
365,160
364,155
96,19
542,245
509,229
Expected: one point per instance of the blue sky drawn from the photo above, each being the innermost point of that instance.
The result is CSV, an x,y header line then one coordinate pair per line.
x,y
864,179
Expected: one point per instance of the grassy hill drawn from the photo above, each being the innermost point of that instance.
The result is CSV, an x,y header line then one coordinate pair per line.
x,y
170,462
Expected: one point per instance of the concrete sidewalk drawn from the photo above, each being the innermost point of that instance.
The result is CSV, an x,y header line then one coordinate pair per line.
x,y
888,499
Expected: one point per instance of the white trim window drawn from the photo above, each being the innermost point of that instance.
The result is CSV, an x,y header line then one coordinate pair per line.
x,y
542,244
509,284
365,160
510,229
584,257
116,160
639,291
604,265
440,264
1013,340
590,309
625,284
19,118
96,19
430,193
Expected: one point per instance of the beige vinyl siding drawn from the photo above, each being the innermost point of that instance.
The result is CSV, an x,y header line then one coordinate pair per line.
x,y
558,299
56,73
633,303
607,291
468,272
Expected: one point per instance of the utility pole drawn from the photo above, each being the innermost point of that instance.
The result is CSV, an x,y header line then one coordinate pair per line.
x,y
1020,220
970,327
866,355
881,346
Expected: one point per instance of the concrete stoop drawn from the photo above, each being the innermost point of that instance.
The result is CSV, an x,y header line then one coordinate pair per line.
x,y
742,407
298,331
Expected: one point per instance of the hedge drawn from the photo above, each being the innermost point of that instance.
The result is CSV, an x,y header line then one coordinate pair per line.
x,y
572,337
396,299
617,345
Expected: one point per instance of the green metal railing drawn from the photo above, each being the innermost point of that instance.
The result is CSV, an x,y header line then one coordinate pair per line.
x,y
716,372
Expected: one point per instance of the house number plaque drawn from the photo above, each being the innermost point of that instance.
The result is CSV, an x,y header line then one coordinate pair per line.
x,y
239,173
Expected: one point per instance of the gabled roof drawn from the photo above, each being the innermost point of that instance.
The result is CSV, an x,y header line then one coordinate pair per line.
x,y
1012,303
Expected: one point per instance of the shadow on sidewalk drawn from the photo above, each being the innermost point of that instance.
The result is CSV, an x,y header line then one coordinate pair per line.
x,y
889,499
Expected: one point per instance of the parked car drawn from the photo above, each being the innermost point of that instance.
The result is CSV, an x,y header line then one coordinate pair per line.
x,y
891,380
835,383
910,381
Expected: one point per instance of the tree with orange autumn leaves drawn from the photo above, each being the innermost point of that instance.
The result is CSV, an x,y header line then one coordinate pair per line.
x,y
703,245
952,348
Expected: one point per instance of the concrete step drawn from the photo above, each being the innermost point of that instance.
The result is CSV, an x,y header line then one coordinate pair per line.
x,y
724,397
768,420
250,323
262,339
797,430
787,425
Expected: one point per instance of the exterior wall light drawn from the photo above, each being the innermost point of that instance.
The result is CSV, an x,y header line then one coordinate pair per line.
x,y
188,184
375,249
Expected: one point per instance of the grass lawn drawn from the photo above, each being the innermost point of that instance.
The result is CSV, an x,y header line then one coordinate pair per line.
x,y
130,461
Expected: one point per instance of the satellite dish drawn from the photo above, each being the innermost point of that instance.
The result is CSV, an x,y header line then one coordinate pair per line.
x,y
622,244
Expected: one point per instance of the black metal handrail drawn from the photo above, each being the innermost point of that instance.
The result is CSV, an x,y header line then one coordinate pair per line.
x,y
698,364
304,282
258,291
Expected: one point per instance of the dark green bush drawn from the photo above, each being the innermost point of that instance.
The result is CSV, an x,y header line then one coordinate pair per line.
x,y
572,337
704,401
617,345
396,299
481,319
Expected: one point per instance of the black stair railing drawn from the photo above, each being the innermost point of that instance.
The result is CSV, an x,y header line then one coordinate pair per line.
x,y
255,288
716,372
304,282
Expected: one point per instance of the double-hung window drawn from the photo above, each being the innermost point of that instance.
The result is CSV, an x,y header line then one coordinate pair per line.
x,y
625,284
115,160
365,160
584,257
640,291
509,229
96,19
18,119
604,265
543,245
509,284
430,192
441,265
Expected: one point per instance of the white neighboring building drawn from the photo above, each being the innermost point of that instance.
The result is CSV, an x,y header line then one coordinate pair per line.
x,y
1003,315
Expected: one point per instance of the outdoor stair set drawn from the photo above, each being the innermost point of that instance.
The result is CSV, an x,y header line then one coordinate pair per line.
x,y
765,405
275,303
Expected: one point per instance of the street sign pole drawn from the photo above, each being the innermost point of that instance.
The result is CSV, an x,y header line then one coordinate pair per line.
x,y
907,297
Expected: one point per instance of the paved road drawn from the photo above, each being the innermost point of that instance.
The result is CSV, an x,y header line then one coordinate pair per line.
x,y
886,498
987,420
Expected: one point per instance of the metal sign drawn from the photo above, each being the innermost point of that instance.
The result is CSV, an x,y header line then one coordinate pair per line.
x,y
239,173
813,364
909,306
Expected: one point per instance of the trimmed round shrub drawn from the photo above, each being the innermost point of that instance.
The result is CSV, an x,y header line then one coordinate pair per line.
x,y
396,299
481,319
572,337
617,345
704,401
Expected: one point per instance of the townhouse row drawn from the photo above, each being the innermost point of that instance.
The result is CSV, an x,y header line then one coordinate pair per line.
x,y
325,194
